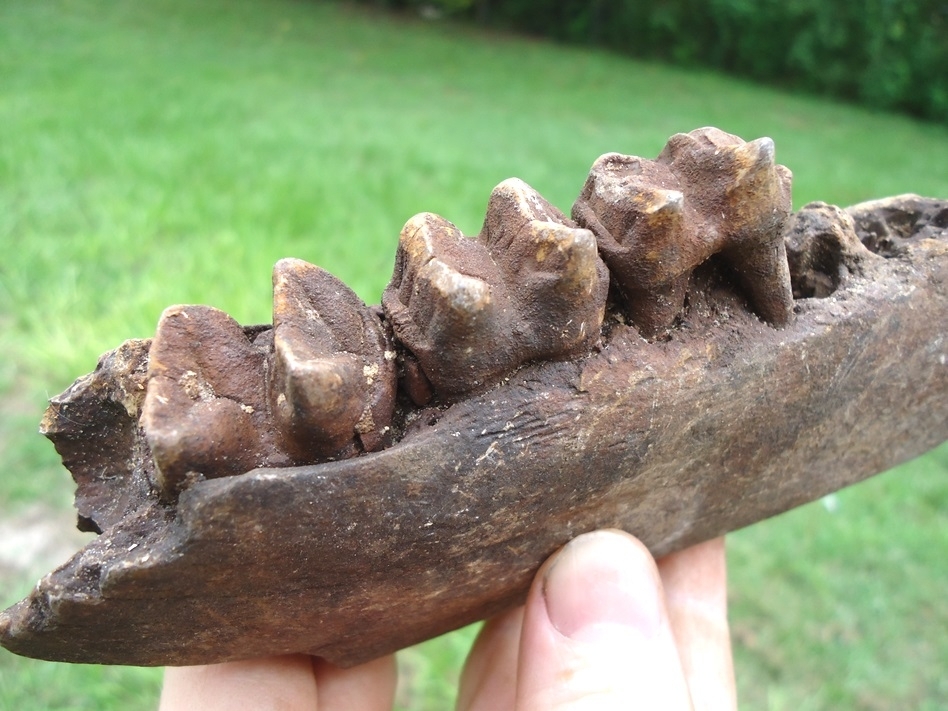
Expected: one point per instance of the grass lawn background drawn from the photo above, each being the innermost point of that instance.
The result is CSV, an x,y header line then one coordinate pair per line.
x,y
170,152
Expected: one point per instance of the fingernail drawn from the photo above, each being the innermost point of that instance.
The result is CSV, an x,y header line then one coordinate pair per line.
x,y
600,581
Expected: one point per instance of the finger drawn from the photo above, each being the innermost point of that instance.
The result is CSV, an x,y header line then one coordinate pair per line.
x,y
284,683
695,582
367,687
489,678
596,634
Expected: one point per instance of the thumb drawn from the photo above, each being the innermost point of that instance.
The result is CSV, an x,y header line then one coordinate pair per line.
x,y
596,634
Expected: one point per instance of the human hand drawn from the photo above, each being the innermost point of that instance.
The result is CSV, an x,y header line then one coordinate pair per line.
x,y
603,628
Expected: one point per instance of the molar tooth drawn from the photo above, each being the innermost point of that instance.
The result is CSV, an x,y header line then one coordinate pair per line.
x,y
444,302
463,293
560,285
324,340
637,215
205,404
530,285
707,192
746,201
551,270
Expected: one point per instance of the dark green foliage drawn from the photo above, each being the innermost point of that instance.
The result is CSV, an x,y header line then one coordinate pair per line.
x,y
889,54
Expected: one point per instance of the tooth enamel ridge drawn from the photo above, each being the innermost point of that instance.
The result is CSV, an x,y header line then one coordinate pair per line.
x,y
317,386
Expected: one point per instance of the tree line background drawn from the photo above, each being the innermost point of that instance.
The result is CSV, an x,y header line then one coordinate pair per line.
x,y
886,54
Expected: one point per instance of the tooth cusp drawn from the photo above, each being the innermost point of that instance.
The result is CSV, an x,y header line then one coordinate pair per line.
x,y
460,312
204,412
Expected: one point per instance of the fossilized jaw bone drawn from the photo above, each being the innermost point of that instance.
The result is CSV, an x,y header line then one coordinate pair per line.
x,y
891,225
707,193
676,440
597,427
530,286
320,385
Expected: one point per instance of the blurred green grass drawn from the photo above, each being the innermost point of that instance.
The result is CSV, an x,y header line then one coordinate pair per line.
x,y
170,152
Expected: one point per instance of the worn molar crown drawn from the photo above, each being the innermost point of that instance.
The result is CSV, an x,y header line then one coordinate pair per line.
x,y
221,400
708,192
331,387
529,286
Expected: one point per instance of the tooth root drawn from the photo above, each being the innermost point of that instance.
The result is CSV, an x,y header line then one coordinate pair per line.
x,y
654,310
205,403
765,276
823,250
329,366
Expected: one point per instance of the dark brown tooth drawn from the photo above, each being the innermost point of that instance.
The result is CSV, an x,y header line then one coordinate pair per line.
x,y
320,385
205,410
638,217
551,270
734,201
529,286
446,315
333,375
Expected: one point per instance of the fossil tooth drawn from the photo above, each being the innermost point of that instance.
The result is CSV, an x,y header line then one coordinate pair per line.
x,y
708,192
331,382
551,269
445,317
530,285
221,400
639,220
205,409
744,200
